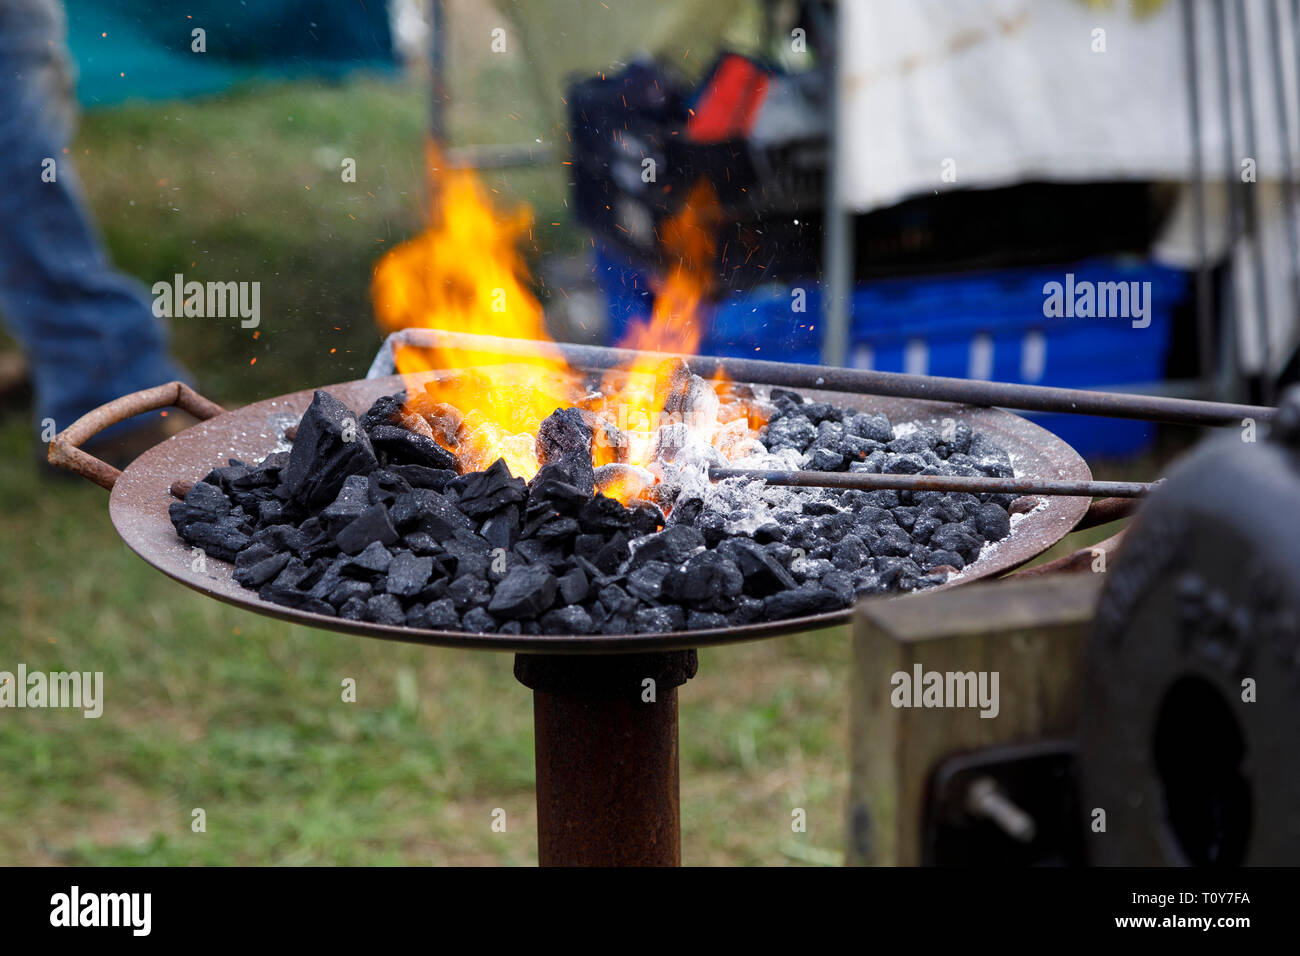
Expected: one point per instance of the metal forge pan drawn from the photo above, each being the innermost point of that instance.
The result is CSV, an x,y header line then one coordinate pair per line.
x,y
140,498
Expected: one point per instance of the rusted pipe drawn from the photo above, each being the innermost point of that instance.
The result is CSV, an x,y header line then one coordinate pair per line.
x,y
605,740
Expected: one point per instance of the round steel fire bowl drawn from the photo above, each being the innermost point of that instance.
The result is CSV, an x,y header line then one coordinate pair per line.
x,y
139,501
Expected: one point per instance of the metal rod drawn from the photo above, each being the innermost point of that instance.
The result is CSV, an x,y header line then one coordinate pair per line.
x,y
838,243
1204,321
1263,325
1229,344
865,481
1041,398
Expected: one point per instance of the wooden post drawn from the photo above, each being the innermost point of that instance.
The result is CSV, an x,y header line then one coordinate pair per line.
x,y
1032,632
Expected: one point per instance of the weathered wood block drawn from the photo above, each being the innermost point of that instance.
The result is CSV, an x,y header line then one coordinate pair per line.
x,y
1031,633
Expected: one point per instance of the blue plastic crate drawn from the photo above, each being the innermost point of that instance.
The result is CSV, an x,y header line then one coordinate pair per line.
x,y
975,325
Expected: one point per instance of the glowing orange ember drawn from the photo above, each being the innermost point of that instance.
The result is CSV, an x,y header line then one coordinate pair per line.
x,y
464,273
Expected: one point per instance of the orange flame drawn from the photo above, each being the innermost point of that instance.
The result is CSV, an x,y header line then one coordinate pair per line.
x,y
465,273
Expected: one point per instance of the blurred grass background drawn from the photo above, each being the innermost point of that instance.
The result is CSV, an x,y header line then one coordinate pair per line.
x,y
210,707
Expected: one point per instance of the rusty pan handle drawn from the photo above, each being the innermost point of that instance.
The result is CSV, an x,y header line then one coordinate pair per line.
x,y
65,450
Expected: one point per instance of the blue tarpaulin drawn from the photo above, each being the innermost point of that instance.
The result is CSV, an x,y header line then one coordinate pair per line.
x,y
143,49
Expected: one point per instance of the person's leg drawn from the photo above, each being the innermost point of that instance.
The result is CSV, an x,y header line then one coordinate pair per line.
x,y
89,331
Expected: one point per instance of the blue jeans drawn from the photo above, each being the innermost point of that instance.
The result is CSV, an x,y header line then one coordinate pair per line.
x,y
89,331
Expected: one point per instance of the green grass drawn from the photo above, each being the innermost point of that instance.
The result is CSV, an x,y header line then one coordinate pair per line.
x,y
210,707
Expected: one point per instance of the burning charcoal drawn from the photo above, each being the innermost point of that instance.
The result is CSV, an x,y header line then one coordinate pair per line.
x,y
385,411
353,609
672,545
567,620
385,609
467,591
373,560
706,577
647,581
762,573
501,530
602,515
524,592
408,574
402,447
645,519
478,621
564,440
655,620
622,479
330,446
259,573
939,559
424,509
353,498
480,493
203,502
574,586
445,420
993,522
866,425
371,526
552,489
440,616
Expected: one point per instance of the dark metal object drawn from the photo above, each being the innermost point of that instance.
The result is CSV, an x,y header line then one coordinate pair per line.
x,y
1232,189
1041,398
1187,739
140,498
974,485
1010,805
605,738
